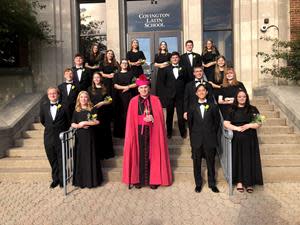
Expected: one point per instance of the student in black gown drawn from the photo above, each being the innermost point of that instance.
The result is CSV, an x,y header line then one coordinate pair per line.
x,y
209,56
93,59
246,163
220,70
102,102
108,68
230,87
87,171
136,58
162,60
123,84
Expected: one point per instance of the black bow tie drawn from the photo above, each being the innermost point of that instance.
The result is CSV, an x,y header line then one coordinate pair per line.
x,y
69,83
175,66
190,53
204,103
53,104
80,68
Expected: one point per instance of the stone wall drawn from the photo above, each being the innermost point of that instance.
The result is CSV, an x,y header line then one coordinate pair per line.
x,y
295,18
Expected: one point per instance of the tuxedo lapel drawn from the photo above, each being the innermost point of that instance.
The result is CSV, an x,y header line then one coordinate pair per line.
x,y
48,110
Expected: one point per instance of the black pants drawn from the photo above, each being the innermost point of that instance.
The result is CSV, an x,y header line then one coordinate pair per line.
x,y
209,155
178,103
54,156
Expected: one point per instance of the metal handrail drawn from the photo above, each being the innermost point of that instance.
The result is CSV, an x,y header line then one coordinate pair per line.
x,y
68,146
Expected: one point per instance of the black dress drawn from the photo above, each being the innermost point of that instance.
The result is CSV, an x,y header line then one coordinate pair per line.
x,y
104,144
93,60
134,57
108,69
87,171
208,57
217,91
246,163
229,92
121,102
160,58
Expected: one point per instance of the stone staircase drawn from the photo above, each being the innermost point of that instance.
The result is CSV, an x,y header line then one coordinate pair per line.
x,y
279,146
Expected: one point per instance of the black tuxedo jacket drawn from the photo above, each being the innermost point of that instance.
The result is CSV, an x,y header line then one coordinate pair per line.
x,y
53,127
190,97
85,80
68,101
174,87
203,131
185,61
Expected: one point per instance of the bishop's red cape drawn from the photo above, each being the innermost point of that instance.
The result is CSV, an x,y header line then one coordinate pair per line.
x,y
160,169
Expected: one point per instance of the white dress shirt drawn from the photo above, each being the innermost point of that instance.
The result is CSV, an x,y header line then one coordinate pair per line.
x,y
53,110
176,71
202,107
79,73
190,55
69,86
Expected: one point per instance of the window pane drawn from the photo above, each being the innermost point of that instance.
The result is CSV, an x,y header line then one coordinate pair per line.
x,y
223,41
217,14
172,43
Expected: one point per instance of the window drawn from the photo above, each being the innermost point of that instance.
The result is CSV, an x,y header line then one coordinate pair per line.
x,y
217,25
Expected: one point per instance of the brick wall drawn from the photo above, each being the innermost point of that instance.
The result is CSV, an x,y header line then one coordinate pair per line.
x,y
295,18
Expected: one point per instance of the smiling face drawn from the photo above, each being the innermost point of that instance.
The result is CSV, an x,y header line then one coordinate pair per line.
x,y
201,92
124,65
163,46
209,44
175,59
134,44
241,98
110,55
96,78
52,94
95,49
68,76
198,72
230,74
78,60
83,99
221,62
144,90
189,46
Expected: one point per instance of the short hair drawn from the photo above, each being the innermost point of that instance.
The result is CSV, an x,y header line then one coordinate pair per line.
x,y
78,55
67,70
189,41
53,88
202,85
198,66
175,53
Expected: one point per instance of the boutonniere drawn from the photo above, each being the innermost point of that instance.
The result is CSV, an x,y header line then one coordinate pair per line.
x,y
73,87
180,68
91,117
206,107
142,61
108,99
258,118
83,70
194,56
58,106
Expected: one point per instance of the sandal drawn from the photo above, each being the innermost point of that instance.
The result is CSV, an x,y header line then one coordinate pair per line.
x,y
249,190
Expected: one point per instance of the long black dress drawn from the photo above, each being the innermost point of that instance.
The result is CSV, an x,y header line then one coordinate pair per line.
x,y
87,171
104,144
160,58
246,163
208,57
134,57
121,102
230,92
108,69
93,60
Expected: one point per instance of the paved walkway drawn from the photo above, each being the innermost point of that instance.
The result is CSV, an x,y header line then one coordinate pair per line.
x,y
113,203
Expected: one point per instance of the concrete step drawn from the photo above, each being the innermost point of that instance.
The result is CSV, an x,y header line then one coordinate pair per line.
x,y
265,129
275,122
280,149
27,151
33,134
270,114
265,107
259,101
36,126
281,174
279,139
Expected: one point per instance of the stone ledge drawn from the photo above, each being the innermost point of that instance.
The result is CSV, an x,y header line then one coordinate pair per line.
x,y
16,117
286,98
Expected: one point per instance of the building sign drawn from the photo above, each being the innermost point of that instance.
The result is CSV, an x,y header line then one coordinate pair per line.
x,y
143,16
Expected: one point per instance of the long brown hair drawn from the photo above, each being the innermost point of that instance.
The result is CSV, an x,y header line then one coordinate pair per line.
x,y
133,40
159,49
214,49
113,61
103,88
234,80
78,107
218,76
92,55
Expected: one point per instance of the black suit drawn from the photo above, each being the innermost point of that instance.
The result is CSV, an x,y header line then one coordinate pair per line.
x,y
52,142
185,61
68,100
174,94
85,80
203,136
190,97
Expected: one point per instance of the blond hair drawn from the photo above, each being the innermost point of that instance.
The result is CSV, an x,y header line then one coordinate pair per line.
x,y
53,88
78,106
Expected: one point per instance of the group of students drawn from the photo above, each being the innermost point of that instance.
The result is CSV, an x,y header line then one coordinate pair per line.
x,y
97,93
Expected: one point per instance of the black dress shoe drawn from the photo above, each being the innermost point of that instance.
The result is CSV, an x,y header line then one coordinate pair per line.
x,y
153,186
138,186
214,189
198,189
54,184
169,136
184,136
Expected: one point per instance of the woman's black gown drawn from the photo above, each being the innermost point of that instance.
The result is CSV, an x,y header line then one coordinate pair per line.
x,y
161,58
108,69
104,144
229,92
246,163
134,57
87,171
93,60
210,57
121,102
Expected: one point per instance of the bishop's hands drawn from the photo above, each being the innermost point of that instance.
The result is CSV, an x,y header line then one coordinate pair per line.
x,y
149,118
